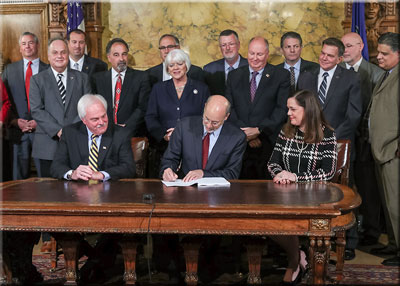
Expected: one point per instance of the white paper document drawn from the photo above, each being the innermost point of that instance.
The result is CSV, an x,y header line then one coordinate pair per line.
x,y
209,181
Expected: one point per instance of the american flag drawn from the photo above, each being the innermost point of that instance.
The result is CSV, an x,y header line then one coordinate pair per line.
x,y
75,16
358,25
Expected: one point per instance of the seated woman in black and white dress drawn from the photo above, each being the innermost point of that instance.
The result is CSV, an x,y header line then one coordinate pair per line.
x,y
305,151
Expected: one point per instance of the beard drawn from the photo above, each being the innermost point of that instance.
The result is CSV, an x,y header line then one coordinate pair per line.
x,y
121,66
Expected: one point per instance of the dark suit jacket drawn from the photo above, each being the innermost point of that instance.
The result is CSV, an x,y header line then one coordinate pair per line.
x,y
134,96
115,153
343,105
225,159
156,73
92,66
304,66
268,110
13,78
165,109
214,74
48,110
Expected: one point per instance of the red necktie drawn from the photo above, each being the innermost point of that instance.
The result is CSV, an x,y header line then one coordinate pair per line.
x,y
28,76
206,145
118,87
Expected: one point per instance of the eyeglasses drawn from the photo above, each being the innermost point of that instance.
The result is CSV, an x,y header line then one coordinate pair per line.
x,y
213,123
231,45
167,47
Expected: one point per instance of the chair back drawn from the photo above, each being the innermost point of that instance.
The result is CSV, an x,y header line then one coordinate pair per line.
x,y
140,146
343,162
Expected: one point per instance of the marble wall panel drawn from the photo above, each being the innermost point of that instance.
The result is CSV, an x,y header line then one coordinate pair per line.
x,y
198,24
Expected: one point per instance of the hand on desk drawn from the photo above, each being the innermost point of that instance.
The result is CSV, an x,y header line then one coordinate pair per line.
x,y
284,177
193,175
169,175
84,172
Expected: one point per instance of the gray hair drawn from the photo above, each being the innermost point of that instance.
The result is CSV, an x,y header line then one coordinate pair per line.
x,y
57,39
35,38
89,99
177,56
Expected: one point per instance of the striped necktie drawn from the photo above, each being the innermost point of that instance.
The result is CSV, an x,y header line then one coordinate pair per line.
x,y
94,154
292,79
61,88
322,89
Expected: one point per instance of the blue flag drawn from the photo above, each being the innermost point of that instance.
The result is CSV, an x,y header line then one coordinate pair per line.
x,y
358,25
75,16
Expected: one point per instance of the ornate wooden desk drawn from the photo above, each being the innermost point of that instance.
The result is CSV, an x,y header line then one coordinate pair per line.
x,y
320,211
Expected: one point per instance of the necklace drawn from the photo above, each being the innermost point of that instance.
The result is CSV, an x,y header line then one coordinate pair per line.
x,y
180,88
300,150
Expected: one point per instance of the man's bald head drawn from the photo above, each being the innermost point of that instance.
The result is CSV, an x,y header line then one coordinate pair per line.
x,y
353,45
216,111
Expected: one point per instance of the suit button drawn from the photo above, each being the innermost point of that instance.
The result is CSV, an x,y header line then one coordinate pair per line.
x,y
177,108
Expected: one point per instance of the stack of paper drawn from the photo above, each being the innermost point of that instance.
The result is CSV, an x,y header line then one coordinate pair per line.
x,y
210,181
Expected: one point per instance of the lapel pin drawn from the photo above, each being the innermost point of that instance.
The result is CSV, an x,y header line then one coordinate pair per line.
x,y
267,75
104,147
71,77
195,91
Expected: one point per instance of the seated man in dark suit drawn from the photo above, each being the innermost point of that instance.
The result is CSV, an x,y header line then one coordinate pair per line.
x,y
216,72
291,47
89,149
158,73
77,58
207,147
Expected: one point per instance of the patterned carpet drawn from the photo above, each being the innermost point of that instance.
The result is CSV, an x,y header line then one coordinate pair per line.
x,y
354,274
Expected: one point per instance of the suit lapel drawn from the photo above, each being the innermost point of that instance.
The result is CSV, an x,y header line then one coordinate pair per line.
x,y
217,149
334,83
198,142
105,146
264,82
245,77
83,141
54,86
85,66
171,92
70,87
125,86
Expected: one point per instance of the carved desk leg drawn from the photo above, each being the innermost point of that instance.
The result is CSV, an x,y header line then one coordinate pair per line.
x,y
340,245
129,245
191,251
254,254
70,249
319,256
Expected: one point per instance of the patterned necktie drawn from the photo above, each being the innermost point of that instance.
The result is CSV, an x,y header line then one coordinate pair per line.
x,y
118,87
206,145
352,69
76,66
253,85
384,77
292,79
61,88
94,154
28,76
229,70
322,89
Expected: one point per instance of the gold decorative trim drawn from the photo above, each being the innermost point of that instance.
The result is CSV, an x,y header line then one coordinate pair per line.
x,y
320,224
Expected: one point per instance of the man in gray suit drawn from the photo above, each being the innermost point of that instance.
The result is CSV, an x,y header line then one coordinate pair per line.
x,y
291,47
54,95
364,167
16,78
384,131
207,147
216,72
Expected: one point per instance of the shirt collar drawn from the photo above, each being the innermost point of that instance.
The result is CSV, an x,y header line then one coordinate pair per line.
x,y
34,62
216,132
330,72
259,72
80,61
114,73
64,73
356,66
296,65
90,134
235,65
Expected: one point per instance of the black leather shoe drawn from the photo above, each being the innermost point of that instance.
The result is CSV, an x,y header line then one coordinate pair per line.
x,y
349,254
393,261
383,251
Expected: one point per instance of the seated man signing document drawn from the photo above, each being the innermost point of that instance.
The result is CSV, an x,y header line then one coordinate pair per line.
x,y
207,146
92,149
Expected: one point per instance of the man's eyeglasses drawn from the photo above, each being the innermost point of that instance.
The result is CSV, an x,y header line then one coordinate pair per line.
x,y
167,47
213,123
231,45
